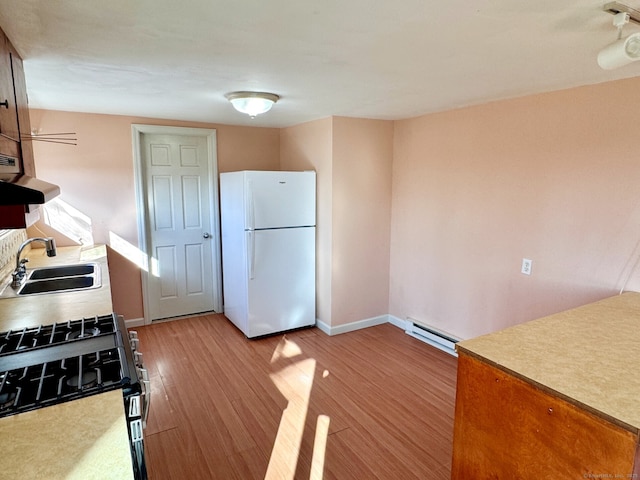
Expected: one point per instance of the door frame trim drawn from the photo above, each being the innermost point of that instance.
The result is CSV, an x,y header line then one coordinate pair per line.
x,y
144,235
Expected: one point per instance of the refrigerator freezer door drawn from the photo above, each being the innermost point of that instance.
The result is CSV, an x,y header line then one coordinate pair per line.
x,y
281,280
280,199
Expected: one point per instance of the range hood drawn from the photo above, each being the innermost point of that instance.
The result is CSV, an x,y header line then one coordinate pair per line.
x,y
25,190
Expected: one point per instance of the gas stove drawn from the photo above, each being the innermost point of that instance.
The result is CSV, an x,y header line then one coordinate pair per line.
x,y
49,364
29,338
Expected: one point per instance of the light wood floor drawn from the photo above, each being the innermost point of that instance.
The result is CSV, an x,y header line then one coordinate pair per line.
x,y
221,404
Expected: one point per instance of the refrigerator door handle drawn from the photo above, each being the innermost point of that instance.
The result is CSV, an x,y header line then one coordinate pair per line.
x,y
251,245
251,212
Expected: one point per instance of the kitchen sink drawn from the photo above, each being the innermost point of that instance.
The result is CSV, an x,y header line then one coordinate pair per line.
x,y
63,271
62,278
57,285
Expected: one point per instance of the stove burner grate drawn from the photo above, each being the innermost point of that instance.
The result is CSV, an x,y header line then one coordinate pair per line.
x,y
27,338
84,333
65,361
83,380
8,393
60,380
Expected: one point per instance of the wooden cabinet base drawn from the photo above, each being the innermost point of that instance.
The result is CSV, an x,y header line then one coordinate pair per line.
x,y
506,427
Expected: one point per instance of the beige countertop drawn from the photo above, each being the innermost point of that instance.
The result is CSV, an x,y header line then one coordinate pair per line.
x,y
31,310
81,439
587,355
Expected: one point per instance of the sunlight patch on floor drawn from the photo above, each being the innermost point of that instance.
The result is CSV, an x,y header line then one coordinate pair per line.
x,y
295,381
285,349
319,447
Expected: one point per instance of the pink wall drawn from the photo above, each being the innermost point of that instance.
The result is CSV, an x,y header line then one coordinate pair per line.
x,y
96,177
352,158
308,147
362,158
554,178
442,207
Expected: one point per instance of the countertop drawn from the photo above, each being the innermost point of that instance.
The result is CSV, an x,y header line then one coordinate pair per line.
x,y
587,355
81,439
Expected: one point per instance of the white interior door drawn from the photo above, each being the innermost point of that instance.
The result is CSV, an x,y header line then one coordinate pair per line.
x,y
178,204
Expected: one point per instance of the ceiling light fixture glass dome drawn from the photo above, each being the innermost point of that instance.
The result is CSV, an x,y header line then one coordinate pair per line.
x,y
252,103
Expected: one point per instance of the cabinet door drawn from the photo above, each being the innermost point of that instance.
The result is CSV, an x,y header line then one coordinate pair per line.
x,y
506,427
8,114
24,123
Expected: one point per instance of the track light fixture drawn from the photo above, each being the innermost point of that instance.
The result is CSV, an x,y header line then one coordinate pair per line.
x,y
624,50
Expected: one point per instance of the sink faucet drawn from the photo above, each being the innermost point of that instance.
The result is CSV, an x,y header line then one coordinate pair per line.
x,y
20,273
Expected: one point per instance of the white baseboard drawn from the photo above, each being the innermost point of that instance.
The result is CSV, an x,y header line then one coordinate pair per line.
x,y
407,325
350,327
395,321
431,336
134,322
323,326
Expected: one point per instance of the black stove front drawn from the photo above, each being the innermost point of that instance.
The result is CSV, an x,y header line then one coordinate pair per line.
x,y
55,363
50,364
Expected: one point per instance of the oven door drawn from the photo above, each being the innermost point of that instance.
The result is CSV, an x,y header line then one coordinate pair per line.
x,y
135,424
137,397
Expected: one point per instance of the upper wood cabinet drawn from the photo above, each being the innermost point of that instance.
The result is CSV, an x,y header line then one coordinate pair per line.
x,y
8,111
14,110
14,120
22,110
9,133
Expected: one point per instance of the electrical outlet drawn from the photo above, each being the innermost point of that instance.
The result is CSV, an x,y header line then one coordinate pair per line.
x,y
526,266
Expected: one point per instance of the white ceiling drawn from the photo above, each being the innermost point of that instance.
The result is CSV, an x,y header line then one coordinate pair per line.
x,y
358,58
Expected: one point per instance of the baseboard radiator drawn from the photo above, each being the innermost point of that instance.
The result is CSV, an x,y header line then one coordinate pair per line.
x,y
433,337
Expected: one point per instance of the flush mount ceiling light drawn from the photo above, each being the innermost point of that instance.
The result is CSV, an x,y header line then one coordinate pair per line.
x,y
252,103
624,50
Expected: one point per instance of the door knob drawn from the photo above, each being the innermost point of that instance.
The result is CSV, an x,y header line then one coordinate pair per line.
x,y
205,235
5,104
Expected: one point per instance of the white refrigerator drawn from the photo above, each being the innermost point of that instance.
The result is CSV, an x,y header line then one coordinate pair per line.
x,y
268,222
